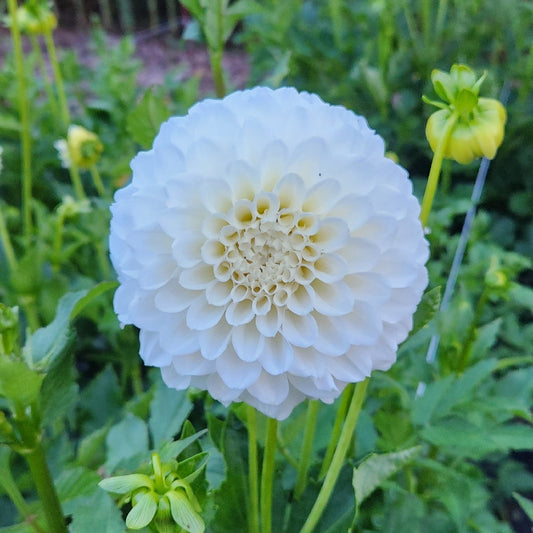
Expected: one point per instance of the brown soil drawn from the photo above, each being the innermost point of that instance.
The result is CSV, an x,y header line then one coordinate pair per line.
x,y
158,53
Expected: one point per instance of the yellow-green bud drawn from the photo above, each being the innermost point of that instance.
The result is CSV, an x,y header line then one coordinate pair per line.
x,y
479,122
36,18
81,147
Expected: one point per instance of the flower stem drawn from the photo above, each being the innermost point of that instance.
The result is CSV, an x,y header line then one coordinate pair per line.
x,y
267,476
44,75
6,244
336,431
434,171
215,58
24,111
338,458
97,180
45,488
76,181
307,446
253,516
63,105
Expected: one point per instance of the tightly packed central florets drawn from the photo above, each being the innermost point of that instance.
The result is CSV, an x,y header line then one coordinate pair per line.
x,y
267,250
267,255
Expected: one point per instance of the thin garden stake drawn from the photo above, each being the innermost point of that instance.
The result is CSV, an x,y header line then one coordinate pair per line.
x,y
461,247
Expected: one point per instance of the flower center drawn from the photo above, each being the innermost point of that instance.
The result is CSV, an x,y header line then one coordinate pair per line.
x,y
266,251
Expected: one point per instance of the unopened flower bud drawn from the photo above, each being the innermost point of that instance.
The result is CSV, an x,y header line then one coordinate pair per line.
x,y
479,123
36,17
81,147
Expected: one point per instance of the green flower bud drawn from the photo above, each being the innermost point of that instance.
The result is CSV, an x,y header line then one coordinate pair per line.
x,y
36,17
69,208
479,124
81,147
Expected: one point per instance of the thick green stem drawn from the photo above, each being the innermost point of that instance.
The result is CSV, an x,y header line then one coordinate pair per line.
x,y
336,431
307,447
61,94
45,488
24,111
434,171
253,511
267,476
338,458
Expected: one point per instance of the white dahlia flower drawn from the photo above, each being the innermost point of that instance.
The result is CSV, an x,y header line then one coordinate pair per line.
x,y
268,250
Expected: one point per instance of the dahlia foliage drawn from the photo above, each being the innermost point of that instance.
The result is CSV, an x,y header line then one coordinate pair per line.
x,y
268,250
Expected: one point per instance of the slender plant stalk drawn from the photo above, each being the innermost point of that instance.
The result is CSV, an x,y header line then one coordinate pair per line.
x,y
58,242
24,111
76,181
466,352
441,17
307,447
125,15
46,79
45,488
153,14
338,458
336,431
337,22
215,59
58,77
6,244
253,512
267,476
98,183
434,171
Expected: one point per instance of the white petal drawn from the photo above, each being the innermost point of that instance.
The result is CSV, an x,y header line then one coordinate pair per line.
x,y
331,235
220,391
277,355
150,350
236,373
247,342
269,389
158,272
330,268
363,325
396,269
368,287
239,313
219,293
300,301
172,297
332,299
359,254
187,250
289,190
343,369
214,341
270,323
197,277
299,330
202,315
322,196
273,164
353,209
173,379
307,159
193,365
177,338
332,339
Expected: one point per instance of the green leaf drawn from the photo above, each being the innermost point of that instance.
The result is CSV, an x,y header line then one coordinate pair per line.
x,y
427,308
126,440
144,121
171,450
527,505
48,343
168,410
183,513
125,484
375,469
143,511
19,383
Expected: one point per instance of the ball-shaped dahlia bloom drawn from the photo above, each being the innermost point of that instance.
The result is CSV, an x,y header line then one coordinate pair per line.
x,y
267,250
